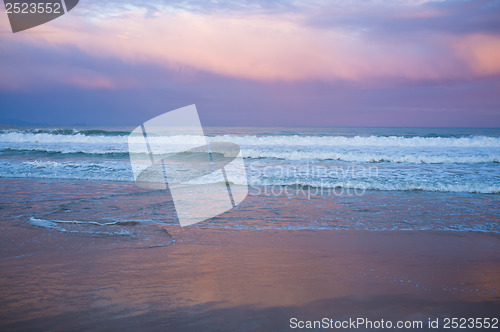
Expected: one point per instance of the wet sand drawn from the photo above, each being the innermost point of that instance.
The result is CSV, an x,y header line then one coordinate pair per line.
x,y
209,278
240,280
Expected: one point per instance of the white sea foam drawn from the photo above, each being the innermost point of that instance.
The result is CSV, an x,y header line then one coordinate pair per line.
x,y
327,187
21,137
272,140
382,141
61,225
414,150
43,163
443,164
371,156
144,234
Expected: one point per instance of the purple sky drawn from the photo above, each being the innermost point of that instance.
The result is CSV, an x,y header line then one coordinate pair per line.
x,y
258,63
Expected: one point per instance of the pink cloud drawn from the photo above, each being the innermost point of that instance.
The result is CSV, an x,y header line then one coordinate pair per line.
x,y
92,83
270,47
481,52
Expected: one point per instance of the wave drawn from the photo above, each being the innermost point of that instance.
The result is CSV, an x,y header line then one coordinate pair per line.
x,y
24,137
65,227
314,186
144,235
371,149
444,164
371,157
56,131
71,170
317,187
363,141
363,157
275,140
66,150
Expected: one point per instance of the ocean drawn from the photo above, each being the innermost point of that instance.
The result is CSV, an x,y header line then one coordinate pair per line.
x,y
383,223
445,179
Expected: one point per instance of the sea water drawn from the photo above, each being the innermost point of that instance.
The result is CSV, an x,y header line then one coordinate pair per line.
x,y
299,178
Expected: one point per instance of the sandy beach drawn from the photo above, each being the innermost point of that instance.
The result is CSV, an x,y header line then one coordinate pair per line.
x,y
243,280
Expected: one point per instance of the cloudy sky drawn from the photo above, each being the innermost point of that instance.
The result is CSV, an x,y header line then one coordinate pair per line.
x,y
258,63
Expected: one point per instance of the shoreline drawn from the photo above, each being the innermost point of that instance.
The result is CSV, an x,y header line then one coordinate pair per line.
x,y
223,278
213,278
372,211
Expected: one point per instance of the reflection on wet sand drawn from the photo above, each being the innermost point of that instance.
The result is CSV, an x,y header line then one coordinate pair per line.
x,y
257,278
213,278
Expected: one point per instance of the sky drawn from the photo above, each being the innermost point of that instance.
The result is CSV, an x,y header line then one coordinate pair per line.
x,y
409,63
